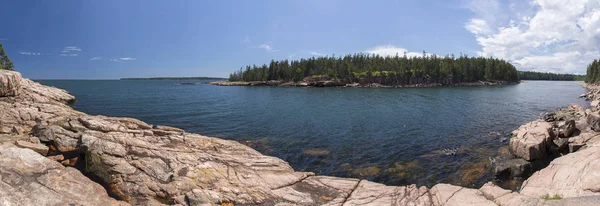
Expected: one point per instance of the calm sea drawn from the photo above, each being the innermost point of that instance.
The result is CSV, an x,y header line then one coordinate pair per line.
x,y
389,135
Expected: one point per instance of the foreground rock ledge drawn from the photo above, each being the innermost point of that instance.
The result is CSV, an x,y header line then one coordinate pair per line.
x,y
142,164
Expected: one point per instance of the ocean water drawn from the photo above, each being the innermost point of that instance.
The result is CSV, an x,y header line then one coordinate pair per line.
x,y
395,136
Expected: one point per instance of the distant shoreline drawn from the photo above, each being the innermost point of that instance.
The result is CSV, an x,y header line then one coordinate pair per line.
x,y
175,78
342,84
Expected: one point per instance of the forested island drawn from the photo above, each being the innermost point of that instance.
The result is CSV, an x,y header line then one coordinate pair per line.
x,y
370,69
530,75
175,78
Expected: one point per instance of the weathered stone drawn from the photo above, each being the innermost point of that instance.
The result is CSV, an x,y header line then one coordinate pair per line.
x,y
516,199
39,148
565,129
445,194
491,192
512,168
10,83
31,179
572,175
64,140
593,120
318,190
170,129
531,140
370,193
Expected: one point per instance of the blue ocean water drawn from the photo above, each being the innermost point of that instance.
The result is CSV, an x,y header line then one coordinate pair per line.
x,y
388,135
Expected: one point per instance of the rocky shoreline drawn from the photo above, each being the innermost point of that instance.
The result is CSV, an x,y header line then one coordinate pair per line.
x,y
332,83
51,154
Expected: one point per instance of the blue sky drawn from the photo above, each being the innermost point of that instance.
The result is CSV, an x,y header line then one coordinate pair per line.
x,y
108,39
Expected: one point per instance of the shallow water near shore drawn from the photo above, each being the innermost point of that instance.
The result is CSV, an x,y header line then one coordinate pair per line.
x,y
395,136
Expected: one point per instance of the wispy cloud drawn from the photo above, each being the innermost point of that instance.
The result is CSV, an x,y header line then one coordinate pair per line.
x,y
391,50
266,47
291,56
30,53
71,49
246,40
316,54
122,59
96,58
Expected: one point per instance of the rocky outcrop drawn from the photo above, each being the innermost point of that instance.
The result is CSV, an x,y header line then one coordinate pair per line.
x,y
143,164
572,175
531,140
28,178
10,83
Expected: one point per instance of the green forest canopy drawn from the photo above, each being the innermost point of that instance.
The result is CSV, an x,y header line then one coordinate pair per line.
x,y
395,70
593,72
529,75
5,62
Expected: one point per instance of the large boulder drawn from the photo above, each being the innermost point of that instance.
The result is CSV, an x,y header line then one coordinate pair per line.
x,y
531,140
573,175
28,178
566,129
593,120
10,83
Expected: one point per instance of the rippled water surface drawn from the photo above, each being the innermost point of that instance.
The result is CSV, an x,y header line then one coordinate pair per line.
x,y
390,135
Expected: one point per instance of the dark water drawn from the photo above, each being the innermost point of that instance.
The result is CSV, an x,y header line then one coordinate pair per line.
x,y
386,135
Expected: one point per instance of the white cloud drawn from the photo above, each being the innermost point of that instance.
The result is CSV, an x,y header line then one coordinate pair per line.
x,y
390,50
266,47
540,35
69,55
30,53
122,59
96,58
316,54
246,40
71,49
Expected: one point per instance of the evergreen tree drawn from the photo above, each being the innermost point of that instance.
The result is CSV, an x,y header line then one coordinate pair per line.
x,y
527,75
385,70
5,62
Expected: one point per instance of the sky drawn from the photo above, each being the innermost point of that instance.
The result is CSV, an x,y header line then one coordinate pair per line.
x,y
110,39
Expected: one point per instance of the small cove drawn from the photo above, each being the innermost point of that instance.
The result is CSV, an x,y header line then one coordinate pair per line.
x,y
395,136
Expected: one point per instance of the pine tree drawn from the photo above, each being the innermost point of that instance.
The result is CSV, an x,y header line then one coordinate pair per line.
x,y
5,62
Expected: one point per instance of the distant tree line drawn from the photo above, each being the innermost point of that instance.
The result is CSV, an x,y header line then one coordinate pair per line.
x,y
5,62
385,70
592,74
175,78
529,75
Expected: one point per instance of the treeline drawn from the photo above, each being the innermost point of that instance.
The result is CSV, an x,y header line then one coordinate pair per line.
x,y
529,75
5,62
173,78
592,74
394,71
